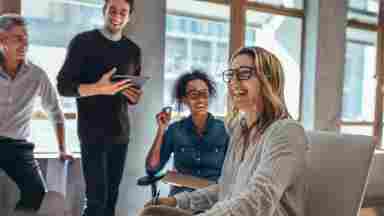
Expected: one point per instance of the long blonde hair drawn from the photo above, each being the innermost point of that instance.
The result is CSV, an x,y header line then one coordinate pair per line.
x,y
271,77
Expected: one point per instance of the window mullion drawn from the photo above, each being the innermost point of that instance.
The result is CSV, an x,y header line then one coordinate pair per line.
x,y
378,123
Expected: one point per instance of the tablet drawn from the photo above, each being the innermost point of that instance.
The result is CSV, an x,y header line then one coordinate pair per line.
x,y
136,80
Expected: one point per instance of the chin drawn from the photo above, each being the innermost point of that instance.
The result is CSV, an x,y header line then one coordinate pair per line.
x,y
245,107
21,59
201,112
113,30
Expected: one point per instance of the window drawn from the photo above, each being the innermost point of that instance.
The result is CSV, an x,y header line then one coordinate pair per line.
x,y
364,10
52,24
359,89
282,36
359,82
199,42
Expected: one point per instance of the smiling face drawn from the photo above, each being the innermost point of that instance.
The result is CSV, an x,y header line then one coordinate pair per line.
x,y
245,90
15,43
116,15
197,97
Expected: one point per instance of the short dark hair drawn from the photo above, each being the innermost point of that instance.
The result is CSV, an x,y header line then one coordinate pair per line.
x,y
180,86
9,20
130,2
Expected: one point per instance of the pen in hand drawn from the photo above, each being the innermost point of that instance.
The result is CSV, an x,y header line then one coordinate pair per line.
x,y
155,200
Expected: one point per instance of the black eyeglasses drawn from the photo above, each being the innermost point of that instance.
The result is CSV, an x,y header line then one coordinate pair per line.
x,y
196,94
241,73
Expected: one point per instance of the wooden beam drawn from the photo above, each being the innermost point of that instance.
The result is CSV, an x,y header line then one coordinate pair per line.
x,y
356,123
10,6
378,120
223,2
237,25
354,23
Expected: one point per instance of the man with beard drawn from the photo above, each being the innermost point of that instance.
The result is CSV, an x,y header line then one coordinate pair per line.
x,y
103,121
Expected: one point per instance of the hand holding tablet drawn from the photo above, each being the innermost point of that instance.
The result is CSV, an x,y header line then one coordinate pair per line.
x,y
138,81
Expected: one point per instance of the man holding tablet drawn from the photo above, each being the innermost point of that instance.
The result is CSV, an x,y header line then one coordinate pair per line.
x,y
93,58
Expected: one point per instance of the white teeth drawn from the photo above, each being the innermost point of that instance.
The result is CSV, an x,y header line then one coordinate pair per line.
x,y
239,92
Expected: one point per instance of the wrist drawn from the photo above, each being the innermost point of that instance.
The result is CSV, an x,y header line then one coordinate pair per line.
x,y
62,150
89,89
161,129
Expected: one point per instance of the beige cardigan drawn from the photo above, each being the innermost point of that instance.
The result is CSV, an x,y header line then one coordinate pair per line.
x,y
269,182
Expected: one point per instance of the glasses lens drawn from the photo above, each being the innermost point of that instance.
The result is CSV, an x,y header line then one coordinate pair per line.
x,y
227,75
194,94
244,73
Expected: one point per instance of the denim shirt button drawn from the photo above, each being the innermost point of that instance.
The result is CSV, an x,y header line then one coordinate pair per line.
x,y
182,150
217,150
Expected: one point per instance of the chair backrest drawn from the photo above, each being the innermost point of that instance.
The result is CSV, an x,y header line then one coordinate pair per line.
x,y
338,167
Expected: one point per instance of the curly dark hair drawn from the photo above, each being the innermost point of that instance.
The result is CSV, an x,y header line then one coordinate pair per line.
x,y
180,86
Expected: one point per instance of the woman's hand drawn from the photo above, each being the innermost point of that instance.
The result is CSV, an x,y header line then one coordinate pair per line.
x,y
163,119
168,201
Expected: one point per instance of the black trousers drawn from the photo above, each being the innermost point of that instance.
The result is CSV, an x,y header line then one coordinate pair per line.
x,y
103,166
18,162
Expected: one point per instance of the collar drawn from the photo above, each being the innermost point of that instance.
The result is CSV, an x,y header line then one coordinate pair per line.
x,y
24,68
208,125
109,36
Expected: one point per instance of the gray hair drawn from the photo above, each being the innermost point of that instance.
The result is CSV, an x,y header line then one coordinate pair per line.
x,y
7,21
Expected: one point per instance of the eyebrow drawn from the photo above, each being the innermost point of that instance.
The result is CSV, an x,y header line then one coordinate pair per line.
x,y
198,90
116,9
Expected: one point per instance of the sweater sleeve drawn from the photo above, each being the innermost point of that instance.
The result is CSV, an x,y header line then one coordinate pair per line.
x,y
68,78
282,160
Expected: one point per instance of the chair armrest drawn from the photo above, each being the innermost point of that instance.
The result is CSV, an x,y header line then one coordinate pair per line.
x,y
149,180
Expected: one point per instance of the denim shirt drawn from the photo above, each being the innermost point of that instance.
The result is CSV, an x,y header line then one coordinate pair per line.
x,y
200,156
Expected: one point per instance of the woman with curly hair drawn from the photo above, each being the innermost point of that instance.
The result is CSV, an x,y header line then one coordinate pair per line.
x,y
198,142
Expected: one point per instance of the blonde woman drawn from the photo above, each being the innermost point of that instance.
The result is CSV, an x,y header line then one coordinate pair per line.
x,y
263,172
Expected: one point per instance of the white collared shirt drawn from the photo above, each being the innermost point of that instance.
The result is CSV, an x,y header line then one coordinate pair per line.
x,y
17,98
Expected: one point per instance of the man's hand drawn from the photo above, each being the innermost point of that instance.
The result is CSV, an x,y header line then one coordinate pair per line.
x,y
133,94
66,156
168,201
104,86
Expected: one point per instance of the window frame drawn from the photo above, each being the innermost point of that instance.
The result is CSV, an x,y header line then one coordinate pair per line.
x,y
376,124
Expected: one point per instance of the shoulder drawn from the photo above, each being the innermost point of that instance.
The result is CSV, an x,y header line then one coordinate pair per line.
x,y
84,37
37,74
232,124
284,124
37,71
218,124
131,44
286,131
177,125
